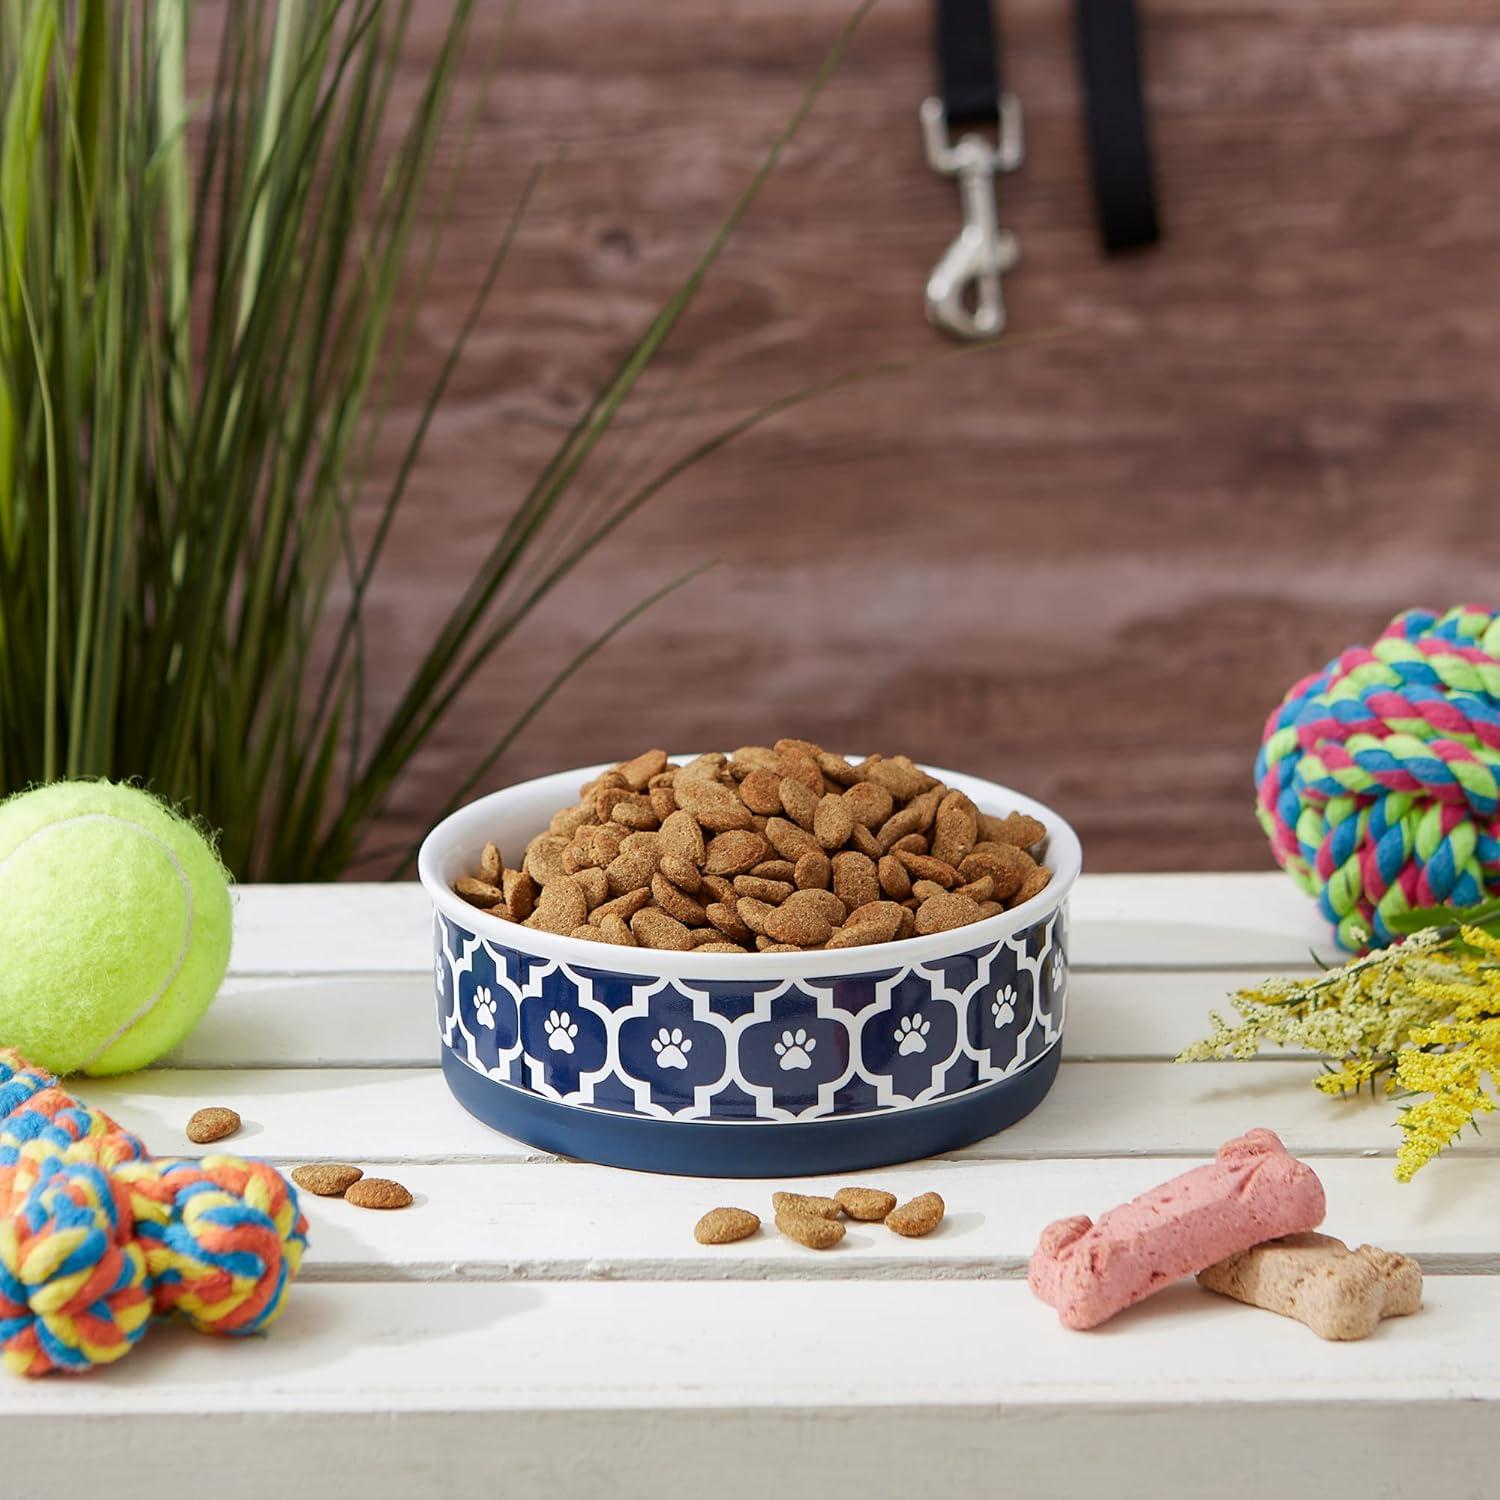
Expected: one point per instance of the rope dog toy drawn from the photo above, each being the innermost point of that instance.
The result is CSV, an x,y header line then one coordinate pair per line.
x,y
1378,778
97,1236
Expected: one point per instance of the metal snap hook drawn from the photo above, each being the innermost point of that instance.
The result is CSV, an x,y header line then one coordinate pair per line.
x,y
971,268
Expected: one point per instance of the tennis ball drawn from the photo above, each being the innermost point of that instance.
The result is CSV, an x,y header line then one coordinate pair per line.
x,y
114,927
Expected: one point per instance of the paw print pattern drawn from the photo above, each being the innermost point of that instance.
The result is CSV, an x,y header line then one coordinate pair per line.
x,y
671,1047
911,1034
484,1007
1003,1007
795,1049
1059,972
561,1028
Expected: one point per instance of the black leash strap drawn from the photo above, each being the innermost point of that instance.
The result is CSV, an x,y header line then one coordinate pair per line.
x,y
963,291
968,62
1109,54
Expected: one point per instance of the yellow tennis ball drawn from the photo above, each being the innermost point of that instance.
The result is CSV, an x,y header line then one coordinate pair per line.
x,y
114,927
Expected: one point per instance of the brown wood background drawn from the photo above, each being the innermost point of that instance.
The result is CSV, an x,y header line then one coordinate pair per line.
x,y
1087,566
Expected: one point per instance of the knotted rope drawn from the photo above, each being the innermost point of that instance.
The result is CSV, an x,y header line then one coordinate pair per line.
x,y
1378,778
96,1236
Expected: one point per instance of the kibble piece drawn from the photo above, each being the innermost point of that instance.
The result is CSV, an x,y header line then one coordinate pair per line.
x,y
753,913
869,804
563,906
879,919
925,867
544,858
212,1124
681,835
920,1216
955,829
854,879
812,872
807,1229
683,873
945,912
478,893
1019,829
801,804
655,929
728,921
723,1226
869,1205
520,895
711,803
1033,885
676,903
735,852
862,841
491,866
799,766
790,841
805,1203
833,822
639,771
327,1179
894,880
760,791
772,891
613,929
1006,865
377,1192
798,925
624,907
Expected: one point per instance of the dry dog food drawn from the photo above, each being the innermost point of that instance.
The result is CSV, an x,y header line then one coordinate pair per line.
x,y
801,1203
212,1124
377,1192
921,1216
867,1204
328,1179
812,1230
723,1226
1338,1292
780,848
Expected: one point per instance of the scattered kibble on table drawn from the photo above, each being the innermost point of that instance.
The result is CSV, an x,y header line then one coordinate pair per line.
x,y
327,1179
212,1124
377,1192
816,1221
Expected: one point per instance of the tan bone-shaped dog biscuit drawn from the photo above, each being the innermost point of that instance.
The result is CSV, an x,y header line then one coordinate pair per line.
x,y
1337,1292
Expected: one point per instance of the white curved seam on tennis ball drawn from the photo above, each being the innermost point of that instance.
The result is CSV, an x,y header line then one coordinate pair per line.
x,y
187,926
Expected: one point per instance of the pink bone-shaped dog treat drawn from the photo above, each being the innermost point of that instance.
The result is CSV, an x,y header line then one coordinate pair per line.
x,y
1252,1191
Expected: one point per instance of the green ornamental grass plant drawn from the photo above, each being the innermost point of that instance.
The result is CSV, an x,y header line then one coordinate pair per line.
x,y
196,348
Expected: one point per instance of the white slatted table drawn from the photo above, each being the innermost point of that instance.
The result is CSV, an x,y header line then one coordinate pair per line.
x,y
536,1327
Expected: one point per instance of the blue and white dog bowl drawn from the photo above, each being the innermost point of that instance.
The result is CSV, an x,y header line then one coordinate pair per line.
x,y
744,1065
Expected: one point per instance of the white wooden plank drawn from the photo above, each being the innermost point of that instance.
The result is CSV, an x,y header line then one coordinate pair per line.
x,y
551,1222
388,1020
983,1347
1095,1109
1136,921
1228,1450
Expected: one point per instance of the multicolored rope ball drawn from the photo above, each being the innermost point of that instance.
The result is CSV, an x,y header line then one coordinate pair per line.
x,y
1378,778
96,1236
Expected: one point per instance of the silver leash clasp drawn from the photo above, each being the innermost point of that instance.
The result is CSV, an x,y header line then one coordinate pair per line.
x,y
963,291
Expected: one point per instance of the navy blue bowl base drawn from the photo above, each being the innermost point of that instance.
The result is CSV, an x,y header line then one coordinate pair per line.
x,y
694,1149
752,1076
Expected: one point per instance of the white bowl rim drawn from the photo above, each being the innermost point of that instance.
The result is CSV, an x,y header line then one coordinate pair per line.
x,y
1064,857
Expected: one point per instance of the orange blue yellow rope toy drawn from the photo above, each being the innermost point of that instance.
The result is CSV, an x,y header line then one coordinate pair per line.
x,y
97,1237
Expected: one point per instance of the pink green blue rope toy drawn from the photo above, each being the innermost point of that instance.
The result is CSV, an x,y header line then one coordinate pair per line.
x,y
1378,778
97,1237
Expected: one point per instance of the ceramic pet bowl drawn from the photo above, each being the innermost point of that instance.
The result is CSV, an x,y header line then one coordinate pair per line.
x,y
730,1065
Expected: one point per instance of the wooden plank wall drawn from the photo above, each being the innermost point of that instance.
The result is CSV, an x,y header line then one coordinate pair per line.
x,y
1087,565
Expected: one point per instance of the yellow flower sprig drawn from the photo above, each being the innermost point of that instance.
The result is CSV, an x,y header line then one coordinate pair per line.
x,y
1421,1018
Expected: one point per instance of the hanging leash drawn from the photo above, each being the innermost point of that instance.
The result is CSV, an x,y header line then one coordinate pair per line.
x,y
1109,57
963,292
